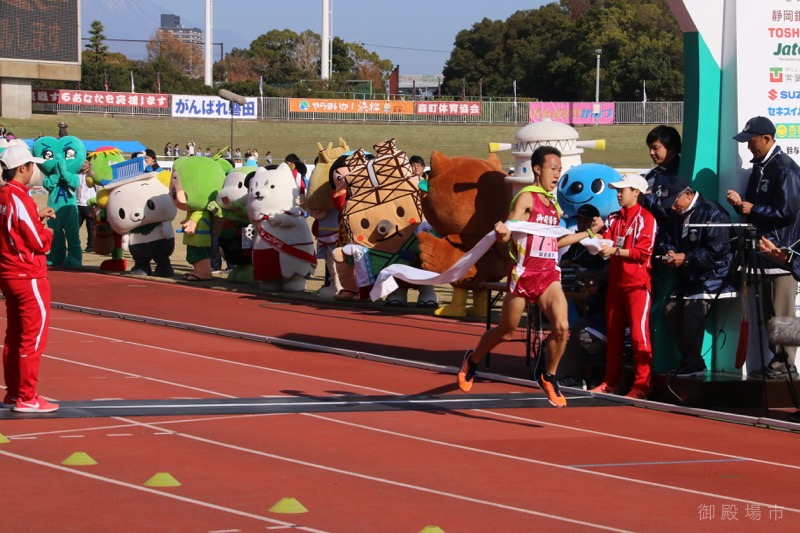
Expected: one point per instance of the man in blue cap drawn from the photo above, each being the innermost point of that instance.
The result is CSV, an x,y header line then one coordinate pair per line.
x,y
771,202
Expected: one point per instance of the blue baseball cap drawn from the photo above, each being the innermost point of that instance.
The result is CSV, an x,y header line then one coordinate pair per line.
x,y
754,127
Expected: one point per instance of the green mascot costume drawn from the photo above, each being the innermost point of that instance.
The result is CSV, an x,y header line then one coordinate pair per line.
x,y
194,184
63,160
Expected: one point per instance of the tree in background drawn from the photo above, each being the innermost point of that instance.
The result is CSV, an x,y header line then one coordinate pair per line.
x,y
289,64
368,66
101,69
341,60
550,51
305,55
186,57
96,46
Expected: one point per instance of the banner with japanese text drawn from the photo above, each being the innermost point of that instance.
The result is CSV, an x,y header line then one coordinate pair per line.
x,y
44,96
369,107
768,70
450,108
572,112
193,106
102,98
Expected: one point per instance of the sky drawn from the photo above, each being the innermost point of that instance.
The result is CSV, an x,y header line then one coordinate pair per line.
x,y
418,35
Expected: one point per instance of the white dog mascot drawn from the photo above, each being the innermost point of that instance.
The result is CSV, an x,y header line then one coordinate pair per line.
x,y
283,248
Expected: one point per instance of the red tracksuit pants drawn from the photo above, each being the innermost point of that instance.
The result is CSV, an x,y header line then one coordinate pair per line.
x,y
628,307
28,321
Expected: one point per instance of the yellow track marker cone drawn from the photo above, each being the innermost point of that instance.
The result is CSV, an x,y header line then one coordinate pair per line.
x,y
79,459
162,479
4,439
288,506
431,529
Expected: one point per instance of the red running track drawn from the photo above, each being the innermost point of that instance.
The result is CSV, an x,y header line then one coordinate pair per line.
x,y
618,468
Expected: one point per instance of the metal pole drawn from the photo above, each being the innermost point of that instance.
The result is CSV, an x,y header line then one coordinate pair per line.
x,y
325,64
209,61
597,88
231,110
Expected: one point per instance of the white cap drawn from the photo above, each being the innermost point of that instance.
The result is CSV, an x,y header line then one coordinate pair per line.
x,y
17,155
630,181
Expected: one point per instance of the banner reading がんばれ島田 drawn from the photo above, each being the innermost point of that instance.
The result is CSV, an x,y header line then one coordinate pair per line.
x,y
193,106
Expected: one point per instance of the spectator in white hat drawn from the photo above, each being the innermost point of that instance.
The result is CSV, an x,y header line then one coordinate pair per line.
x,y
631,234
24,243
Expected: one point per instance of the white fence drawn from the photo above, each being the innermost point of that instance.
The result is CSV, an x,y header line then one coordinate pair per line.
x,y
493,112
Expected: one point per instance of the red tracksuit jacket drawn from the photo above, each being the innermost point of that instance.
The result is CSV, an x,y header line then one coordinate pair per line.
x,y
637,227
25,240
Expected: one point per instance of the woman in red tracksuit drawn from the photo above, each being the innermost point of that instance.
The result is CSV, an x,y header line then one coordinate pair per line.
x,y
24,241
632,231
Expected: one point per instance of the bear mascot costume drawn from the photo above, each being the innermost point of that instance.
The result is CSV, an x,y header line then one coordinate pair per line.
x,y
465,197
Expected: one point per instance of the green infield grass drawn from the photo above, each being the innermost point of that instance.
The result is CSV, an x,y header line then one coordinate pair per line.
x,y
625,145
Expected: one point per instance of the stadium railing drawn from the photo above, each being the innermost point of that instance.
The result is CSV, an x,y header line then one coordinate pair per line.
x,y
492,112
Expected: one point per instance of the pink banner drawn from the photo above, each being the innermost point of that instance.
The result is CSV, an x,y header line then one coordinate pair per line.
x,y
449,108
101,98
573,112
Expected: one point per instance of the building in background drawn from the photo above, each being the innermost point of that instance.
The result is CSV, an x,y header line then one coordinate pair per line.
x,y
422,87
172,24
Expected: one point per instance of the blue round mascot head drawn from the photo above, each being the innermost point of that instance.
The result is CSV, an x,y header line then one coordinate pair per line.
x,y
587,184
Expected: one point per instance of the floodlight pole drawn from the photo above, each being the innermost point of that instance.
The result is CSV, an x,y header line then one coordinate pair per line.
x,y
597,88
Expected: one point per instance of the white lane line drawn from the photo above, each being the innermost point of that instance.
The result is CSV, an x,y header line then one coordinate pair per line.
x,y
500,414
148,490
609,435
385,481
554,465
643,441
158,426
193,420
137,376
203,357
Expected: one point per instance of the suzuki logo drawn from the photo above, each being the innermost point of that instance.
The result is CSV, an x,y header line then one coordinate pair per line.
x,y
773,94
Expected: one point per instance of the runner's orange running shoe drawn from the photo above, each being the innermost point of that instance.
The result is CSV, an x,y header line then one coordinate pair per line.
x,y
550,387
467,373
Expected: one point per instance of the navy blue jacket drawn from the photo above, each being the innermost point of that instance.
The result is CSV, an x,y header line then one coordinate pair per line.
x,y
708,251
774,191
652,201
